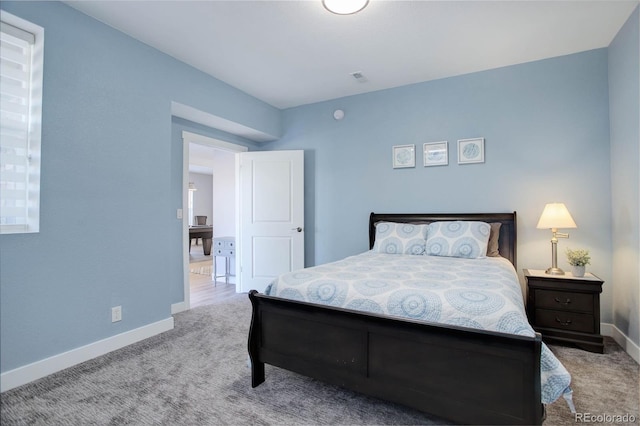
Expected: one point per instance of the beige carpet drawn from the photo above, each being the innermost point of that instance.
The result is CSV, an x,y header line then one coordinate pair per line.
x,y
602,384
197,374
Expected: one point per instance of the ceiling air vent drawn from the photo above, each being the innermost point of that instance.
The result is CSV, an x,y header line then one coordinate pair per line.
x,y
359,77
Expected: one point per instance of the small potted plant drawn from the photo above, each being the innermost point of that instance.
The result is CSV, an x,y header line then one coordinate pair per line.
x,y
578,259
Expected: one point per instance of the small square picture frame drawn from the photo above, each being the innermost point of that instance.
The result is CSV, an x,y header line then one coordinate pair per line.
x,y
436,153
471,151
404,156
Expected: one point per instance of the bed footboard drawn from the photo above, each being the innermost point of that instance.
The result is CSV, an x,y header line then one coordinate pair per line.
x,y
463,375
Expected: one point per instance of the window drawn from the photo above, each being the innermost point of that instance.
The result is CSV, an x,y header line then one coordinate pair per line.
x,y
21,69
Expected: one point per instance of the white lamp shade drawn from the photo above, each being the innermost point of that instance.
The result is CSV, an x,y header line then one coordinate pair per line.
x,y
554,216
344,7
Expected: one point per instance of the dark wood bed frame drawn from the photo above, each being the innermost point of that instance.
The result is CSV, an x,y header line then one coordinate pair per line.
x,y
459,374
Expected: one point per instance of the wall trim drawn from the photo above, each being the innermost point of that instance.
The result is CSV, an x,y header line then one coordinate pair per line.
x,y
622,339
39,369
178,307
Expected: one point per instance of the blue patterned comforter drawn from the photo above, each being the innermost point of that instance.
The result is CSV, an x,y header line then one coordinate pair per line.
x,y
474,293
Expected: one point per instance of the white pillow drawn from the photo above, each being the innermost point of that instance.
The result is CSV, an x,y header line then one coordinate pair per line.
x,y
458,239
400,238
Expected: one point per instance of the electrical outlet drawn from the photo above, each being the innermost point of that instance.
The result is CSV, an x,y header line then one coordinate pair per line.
x,y
116,314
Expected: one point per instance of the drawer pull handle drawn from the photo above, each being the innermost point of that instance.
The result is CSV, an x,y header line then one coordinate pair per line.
x,y
568,301
567,322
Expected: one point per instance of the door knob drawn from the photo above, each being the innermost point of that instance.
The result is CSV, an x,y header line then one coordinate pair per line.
x,y
297,229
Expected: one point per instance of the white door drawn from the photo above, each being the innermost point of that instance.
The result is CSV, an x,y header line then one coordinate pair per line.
x,y
270,216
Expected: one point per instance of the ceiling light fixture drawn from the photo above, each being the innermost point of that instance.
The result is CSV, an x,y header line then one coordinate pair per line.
x,y
344,7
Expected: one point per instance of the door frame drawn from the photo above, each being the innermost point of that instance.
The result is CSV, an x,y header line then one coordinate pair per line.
x,y
187,138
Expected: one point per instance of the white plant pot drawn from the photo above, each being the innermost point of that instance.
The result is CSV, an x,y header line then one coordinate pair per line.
x,y
578,271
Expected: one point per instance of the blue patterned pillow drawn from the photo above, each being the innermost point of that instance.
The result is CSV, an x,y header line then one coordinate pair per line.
x,y
458,239
400,238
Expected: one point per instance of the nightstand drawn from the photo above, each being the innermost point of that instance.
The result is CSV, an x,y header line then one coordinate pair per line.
x,y
565,308
224,247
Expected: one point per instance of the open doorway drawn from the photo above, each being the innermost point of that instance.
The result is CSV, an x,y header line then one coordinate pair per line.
x,y
209,182
200,216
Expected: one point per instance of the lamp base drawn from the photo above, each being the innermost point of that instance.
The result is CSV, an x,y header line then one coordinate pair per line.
x,y
554,271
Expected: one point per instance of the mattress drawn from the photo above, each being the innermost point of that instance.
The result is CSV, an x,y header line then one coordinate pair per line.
x,y
480,294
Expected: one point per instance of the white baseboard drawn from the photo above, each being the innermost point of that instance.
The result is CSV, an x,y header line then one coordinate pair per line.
x,y
39,369
28,373
622,339
178,307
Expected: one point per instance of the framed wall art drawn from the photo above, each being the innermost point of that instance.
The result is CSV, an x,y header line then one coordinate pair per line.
x,y
436,153
404,156
471,151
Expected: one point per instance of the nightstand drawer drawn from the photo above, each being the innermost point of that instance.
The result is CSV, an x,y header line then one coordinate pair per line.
x,y
563,300
223,252
226,244
563,320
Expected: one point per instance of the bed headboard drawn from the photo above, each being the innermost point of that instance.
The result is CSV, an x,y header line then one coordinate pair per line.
x,y
507,240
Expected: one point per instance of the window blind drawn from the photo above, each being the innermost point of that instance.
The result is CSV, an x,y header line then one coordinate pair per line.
x,y
19,130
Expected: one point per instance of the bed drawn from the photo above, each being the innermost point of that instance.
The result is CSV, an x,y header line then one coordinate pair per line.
x,y
442,365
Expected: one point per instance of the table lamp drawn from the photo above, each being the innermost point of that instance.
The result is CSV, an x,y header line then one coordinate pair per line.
x,y
554,216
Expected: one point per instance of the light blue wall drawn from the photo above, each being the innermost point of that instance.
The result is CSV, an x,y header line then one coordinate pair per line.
x,y
624,94
112,170
546,131
111,184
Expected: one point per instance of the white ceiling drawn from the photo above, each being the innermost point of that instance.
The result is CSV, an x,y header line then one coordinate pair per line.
x,y
290,53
